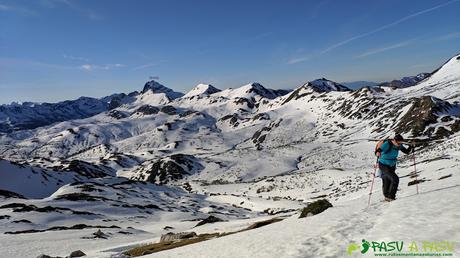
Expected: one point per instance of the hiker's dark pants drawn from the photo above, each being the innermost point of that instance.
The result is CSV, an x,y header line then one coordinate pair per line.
x,y
390,181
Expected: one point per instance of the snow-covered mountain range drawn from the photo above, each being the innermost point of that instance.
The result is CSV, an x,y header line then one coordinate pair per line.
x,y
30,115
141,164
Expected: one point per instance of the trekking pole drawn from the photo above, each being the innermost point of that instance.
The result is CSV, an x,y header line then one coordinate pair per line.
x,y
415,168
372,184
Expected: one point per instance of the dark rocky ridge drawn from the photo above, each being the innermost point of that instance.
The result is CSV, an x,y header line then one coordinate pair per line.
x,y
168,169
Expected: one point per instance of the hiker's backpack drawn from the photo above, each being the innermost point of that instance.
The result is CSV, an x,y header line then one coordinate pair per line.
x,y
378,150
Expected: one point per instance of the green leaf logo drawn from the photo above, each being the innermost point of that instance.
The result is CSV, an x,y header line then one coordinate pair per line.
x,y
352,247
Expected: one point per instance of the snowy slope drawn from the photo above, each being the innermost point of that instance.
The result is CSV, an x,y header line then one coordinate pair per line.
x,y
443,83
36,182
412,217
30,181
123,209
330,233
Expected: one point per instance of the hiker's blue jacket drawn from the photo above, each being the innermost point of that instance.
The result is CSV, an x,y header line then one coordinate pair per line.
x,y
389,153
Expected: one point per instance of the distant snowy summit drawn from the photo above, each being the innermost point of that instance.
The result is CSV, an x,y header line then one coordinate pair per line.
x,y
260,90
322,85
201,90
252,90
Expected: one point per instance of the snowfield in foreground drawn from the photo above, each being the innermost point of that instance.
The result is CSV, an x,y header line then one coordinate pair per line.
x,y
430,216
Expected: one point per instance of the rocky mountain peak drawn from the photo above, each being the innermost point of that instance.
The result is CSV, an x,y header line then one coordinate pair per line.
x,y
325,85
156,87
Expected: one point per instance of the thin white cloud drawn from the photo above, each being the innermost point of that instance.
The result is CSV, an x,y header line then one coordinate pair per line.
x,y
8,62
17,9
92,67
383,49
389,25
384,27
4,7
298,60
33,63
76,58
449,36
87,67
91,14
140,67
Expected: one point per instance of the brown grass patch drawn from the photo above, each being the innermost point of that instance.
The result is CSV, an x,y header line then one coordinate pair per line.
x,y
158,247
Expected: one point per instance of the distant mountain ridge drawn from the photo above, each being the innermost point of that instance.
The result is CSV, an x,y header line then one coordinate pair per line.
x,y
32,115
406,81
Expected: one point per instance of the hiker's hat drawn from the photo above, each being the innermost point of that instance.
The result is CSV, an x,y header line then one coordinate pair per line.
x,y
398,138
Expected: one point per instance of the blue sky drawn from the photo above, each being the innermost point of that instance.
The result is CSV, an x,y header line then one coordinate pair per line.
x,y
52,50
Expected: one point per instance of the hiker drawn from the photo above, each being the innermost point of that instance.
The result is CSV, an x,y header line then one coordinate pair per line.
x,y
388,154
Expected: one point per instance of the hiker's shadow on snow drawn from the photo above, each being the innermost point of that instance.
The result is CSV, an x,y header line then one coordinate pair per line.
x,y
435,190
